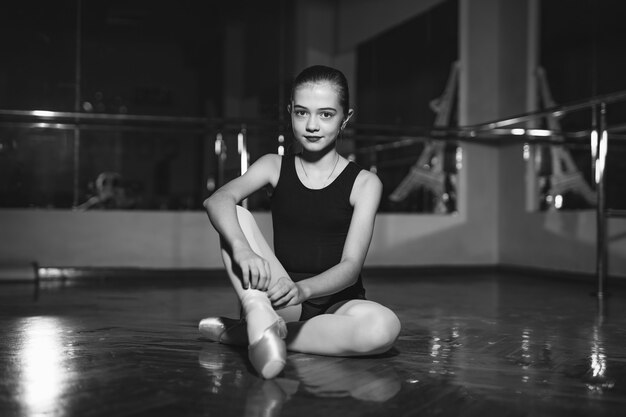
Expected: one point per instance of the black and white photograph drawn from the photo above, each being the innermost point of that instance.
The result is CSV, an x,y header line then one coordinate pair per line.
x,y
300,208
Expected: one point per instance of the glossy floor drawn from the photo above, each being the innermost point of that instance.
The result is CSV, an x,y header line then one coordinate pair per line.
x,y
477,345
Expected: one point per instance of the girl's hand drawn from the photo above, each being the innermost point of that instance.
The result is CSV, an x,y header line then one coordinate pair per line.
x,y
285,293
255,270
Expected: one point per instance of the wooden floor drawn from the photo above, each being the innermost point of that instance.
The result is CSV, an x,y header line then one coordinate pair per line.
x,y
477,345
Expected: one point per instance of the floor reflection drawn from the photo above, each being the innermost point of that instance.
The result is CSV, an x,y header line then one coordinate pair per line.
x,y
217,362
267,397
444,348
596,376
362,379
43,366
454,357
365,379
130,350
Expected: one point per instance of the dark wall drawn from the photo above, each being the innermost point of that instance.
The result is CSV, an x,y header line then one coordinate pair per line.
x,y
138,56
402,70
582,47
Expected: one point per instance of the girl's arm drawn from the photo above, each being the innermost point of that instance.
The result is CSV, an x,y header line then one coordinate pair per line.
x,y
223,216
365,197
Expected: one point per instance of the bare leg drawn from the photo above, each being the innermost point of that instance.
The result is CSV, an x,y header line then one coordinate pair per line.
x,y
356,327
261,314
353,328
261,247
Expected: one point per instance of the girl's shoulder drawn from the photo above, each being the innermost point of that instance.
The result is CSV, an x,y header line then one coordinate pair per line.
x,y
269,165
367,179
366,185
270,161
270,158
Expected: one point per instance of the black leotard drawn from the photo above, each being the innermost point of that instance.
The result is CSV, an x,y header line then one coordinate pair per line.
x,y
310,229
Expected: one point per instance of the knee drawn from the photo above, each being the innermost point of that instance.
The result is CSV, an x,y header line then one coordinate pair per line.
x,y
379,331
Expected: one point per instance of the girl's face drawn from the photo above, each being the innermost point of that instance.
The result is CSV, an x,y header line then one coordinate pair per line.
x,y
317,116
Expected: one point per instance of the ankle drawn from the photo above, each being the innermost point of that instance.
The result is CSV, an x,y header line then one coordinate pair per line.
x,y
254,301
259,313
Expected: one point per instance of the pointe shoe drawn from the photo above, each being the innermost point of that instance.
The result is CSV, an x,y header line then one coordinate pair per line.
x,y
268,354
215,328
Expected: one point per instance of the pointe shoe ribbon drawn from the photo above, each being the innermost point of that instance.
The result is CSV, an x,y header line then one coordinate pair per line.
x,y
268,354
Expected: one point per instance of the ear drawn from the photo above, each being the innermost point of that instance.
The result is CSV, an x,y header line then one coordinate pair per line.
x,y
345,121
289,108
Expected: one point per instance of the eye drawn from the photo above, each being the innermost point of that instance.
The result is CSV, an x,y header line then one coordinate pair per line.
x,y
327,115
299,113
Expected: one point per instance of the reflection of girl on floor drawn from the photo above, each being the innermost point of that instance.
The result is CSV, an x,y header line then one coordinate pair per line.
x,y
324,378
323,210
365,380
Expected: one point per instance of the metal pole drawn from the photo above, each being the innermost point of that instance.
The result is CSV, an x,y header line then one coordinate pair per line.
x,y
220,152
282,108
594,142
242,147
77,96
601,221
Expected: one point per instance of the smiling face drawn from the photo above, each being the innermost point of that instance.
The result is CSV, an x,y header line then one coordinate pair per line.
x,y
317,116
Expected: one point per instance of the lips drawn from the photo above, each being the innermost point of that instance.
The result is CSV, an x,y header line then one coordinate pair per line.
x,y
313,138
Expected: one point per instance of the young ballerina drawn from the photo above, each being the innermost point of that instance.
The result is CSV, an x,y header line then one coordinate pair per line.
x,y
307,295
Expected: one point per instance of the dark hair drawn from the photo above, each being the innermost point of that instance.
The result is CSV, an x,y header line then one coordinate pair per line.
x,y
320,73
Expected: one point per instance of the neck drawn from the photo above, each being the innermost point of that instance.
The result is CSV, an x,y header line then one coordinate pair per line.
x,y
319,159
320,171
327,154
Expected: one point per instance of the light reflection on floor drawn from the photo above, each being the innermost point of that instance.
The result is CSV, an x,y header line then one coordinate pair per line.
x,y
43,365
471,348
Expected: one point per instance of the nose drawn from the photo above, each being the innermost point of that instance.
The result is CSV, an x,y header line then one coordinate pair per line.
x,y
311,124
